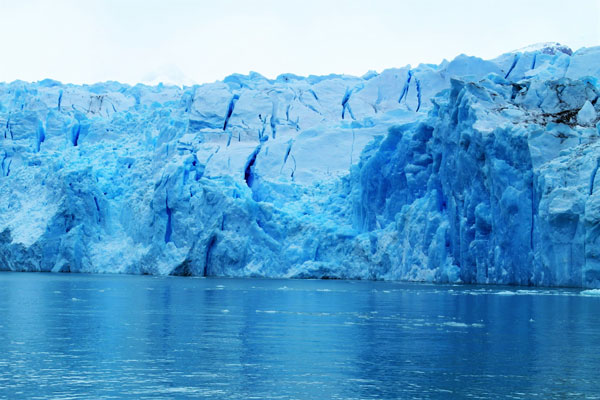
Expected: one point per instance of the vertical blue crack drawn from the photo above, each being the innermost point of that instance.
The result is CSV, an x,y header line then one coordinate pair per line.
x,y
230,108
345,105
418,94
169,229
274,120
514,64
406,86
209,248
5,165
249,169
60,96
75,132
533,213
593,177
287,154
40,136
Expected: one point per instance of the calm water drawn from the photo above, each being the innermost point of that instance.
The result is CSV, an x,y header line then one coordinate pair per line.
x,y
91,336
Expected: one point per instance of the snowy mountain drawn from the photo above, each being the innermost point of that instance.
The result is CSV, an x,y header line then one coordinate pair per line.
x,y
472,170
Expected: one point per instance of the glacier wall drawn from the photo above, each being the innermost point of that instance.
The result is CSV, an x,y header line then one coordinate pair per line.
x,y
472,170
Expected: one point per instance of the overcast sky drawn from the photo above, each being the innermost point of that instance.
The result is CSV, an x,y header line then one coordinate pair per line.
x,y
86,41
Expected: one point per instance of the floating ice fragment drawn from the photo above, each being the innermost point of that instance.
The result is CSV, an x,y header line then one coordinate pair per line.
x,y
591,292
456,324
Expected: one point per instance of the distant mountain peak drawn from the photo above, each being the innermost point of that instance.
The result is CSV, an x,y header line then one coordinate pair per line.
x,y
167,75
551,48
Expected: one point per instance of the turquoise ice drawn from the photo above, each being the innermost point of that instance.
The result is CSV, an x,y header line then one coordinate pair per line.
x,y
479,171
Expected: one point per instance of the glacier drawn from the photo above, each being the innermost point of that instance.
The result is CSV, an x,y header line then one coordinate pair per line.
x,y
474,171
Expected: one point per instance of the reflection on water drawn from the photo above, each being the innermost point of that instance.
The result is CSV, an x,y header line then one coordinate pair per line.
x,y
90,336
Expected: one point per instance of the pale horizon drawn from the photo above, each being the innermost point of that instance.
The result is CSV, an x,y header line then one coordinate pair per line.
x,y
188,42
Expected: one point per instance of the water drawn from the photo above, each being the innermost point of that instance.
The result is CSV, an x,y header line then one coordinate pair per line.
x,y
94,336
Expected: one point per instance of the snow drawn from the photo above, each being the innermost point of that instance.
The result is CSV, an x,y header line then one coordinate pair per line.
x,y
477,171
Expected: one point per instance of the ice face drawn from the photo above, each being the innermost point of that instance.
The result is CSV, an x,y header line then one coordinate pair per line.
x,y
472,171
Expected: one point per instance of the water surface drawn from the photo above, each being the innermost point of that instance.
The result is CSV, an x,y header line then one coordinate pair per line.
x,y
70,336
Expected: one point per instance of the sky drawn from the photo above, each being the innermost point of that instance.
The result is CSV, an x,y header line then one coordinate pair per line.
x,y
186,41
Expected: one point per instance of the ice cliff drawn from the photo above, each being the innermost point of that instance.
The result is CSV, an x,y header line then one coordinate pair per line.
x,y
472,170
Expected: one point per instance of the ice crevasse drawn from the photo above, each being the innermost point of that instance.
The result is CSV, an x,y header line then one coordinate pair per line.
x,y
476,171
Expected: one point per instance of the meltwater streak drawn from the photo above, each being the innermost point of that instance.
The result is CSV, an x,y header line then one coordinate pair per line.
x,y
90,336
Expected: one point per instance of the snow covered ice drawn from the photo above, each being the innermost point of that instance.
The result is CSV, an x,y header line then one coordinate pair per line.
x,y
472,170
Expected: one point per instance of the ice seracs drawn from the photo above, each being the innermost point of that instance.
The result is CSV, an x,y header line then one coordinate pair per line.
x,y
470,171
587,115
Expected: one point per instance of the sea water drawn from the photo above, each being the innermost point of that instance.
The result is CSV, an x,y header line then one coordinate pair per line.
x,y
75,336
